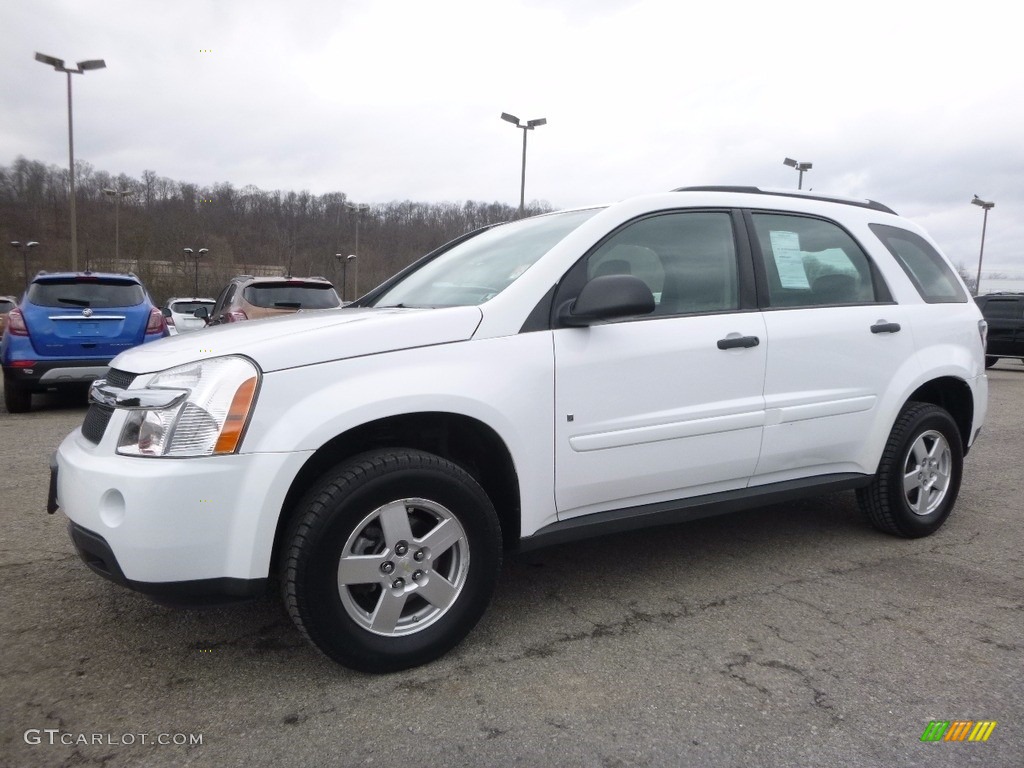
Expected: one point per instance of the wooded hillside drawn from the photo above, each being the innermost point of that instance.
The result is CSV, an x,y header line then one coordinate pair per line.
x,y
247,230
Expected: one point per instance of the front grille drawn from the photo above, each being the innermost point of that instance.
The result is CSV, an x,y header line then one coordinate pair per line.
x,y
95,423
97,417
119,379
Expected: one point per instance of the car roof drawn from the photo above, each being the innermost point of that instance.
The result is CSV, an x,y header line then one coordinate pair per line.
x,y
125,276
282,279
808,195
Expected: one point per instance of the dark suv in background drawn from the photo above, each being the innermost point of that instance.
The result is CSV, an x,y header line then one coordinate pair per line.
x,y
1005,315
67,329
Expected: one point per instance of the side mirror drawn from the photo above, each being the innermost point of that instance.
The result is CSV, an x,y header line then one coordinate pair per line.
x,y
607,298
202,313
165,311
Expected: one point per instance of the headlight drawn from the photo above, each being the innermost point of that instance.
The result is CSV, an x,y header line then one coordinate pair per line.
x,y
208,420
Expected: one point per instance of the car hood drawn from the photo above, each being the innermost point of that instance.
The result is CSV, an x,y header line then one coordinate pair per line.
x,y
308,338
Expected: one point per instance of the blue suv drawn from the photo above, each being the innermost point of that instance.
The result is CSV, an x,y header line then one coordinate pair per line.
x,y
67,329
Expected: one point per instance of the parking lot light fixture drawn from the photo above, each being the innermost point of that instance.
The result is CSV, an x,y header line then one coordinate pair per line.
x,y
800,167
117,194
344,261
529,125
986,206
196,256
24,248
360,209
80,68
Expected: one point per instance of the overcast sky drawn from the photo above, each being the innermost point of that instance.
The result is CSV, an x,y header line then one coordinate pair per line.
x,y
917,104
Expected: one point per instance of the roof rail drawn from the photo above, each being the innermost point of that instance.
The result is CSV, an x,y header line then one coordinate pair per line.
x,y
872,204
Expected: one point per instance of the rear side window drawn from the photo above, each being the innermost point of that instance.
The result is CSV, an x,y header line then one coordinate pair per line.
x,y
812,263
291,296
95,293
927,270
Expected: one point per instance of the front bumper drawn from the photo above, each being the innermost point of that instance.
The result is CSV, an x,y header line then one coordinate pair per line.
x,y
170,526
97,554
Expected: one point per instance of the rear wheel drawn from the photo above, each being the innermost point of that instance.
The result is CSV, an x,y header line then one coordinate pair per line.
x,y
391,560
17,399
919,475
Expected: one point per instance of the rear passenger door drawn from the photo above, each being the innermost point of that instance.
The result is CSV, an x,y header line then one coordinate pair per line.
x,y
668,405
835,339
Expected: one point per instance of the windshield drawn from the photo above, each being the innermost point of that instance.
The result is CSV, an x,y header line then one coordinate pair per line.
x,y
480,268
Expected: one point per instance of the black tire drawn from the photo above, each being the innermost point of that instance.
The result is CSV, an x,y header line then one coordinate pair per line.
x,y
445,587
16,399
924,447
990,361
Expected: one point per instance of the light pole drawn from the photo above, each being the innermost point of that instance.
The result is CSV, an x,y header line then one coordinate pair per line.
x,y
344,260
117,194
82,67
801,167
984,224
359,209
196,255
529,125
24,248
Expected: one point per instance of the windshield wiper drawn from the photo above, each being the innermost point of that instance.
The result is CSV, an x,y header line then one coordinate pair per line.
x,y
288,304
76,302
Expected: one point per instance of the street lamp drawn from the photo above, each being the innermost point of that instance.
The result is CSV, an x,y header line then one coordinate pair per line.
x,y
24,248
344,260
359,209
82,67
529,125
196,255
984,224
117,194
801,167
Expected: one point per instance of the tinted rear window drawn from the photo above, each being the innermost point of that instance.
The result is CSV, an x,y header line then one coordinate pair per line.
x,y
1013,308
97,293
292,296
188,307
927,270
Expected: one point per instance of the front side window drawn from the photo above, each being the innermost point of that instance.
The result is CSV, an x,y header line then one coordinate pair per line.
x,y
927,270
96,293
480,268
687,259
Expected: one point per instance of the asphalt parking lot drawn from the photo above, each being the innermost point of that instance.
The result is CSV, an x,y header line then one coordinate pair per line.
x,y
791,635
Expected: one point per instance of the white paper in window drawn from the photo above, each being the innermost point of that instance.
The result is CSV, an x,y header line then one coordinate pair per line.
x,y
789,260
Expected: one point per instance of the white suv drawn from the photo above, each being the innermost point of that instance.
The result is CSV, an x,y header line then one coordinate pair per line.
x,y
668,357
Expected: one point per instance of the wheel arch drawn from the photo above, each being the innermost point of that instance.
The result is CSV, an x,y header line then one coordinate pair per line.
x,y
468,442
954,396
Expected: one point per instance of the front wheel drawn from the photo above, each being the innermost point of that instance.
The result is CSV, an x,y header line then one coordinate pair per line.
x,y
391,560
919,475
990,361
